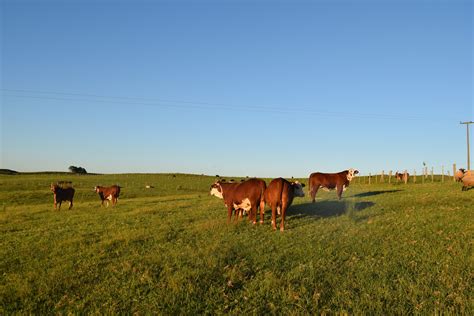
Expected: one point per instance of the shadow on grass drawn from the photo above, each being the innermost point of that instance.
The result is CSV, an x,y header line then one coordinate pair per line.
x,y
372,193
327,208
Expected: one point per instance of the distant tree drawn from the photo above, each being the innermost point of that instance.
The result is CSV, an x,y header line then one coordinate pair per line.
x,y
78,170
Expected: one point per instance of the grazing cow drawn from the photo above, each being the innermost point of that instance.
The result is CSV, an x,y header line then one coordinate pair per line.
x,y
246,196
108,193
339,181
62,194
279,195
402,176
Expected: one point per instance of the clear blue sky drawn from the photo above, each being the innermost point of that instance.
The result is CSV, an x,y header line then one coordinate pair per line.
x,y
264,88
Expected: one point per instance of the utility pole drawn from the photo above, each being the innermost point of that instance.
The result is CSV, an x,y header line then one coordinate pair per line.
x,y
467,131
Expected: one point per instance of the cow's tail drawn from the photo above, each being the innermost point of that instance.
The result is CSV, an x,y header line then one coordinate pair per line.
x,y
262,196
262,202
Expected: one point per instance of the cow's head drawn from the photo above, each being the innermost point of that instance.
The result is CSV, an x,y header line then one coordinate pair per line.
x,y
351,173
216,190
97,189
54,187
298,189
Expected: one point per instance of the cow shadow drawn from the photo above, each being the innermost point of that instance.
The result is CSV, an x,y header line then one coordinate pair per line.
x,y
327,208
372,193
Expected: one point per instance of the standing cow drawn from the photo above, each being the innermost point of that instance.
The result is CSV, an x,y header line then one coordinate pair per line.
x,y
62,194
108,193
279,195
247,196
402,176
339,181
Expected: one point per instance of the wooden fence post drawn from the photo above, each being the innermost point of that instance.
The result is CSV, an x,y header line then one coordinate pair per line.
x,y
432,177
414,175
422,176
381,177
370,175
454,172
405,177
390,176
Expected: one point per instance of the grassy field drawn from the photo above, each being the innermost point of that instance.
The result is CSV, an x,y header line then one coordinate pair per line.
x,y
382,249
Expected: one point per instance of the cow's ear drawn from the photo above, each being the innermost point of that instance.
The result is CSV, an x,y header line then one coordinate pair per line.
x,y
303,185
222,180
356,171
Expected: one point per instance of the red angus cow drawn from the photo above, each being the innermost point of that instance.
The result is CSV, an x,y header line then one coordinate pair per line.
x,y
62,194
338,181
247,196
279,195
108,193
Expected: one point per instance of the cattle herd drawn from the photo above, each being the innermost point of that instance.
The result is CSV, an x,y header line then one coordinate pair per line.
x,y
251,195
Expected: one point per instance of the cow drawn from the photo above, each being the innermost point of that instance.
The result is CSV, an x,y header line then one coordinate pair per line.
x,y
62,194
108,193
467,181
279,195
459,174
339,181
243,196
402,176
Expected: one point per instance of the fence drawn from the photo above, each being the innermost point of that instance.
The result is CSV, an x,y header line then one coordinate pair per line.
x,y
426,176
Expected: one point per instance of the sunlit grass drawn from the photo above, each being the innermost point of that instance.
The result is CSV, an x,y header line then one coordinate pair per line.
x,y
382,249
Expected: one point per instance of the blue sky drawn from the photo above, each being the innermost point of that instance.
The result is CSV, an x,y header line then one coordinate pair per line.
x,y
258,88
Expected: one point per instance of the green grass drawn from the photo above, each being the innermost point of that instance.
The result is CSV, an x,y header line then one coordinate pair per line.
x,y
382,249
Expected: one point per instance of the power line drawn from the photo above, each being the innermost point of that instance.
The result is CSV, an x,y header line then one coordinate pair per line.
x,y
165,103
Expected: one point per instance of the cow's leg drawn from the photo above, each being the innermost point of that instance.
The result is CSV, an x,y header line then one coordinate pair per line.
x,y
274,211
284,206
229,214
314,190
339,188
237,214
254,213
59,206
70,204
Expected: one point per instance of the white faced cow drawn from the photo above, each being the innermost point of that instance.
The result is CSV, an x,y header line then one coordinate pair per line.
x,y
339,181
244,196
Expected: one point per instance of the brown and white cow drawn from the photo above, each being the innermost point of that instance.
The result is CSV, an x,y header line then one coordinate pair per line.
x,y
339,181
62,194
108,193
279,195
459,174
402,176
247,196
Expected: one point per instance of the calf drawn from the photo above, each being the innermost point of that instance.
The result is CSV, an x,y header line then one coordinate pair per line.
x,y
62,194
339,181
247,196
279,195
108,193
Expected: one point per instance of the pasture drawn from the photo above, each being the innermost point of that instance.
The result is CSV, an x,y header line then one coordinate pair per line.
x,y
384,248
